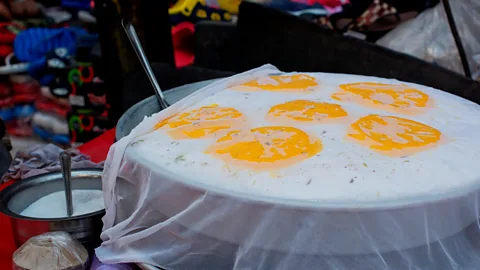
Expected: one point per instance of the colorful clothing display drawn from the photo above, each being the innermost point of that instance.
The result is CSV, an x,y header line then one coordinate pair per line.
x,y
61,91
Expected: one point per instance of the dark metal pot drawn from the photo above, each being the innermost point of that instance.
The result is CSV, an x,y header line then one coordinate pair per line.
x,y
17,197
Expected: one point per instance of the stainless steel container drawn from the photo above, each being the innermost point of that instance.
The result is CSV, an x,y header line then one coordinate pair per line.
x,y
17,197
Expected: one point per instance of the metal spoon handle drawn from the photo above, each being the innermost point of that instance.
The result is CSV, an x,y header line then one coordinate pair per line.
x,y
66,171
137,46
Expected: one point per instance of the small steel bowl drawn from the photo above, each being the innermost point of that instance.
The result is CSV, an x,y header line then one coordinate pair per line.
x,y
17,197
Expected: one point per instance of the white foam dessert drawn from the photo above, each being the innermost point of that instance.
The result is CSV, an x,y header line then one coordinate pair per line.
x,y
321,137
53,205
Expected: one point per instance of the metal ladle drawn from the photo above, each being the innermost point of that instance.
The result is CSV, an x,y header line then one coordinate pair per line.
x,y
137,46
67,173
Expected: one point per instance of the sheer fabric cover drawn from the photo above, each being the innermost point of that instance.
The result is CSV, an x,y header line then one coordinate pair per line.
x,y
154,217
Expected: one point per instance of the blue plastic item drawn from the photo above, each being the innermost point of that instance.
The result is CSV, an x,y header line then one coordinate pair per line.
x,y
33,45
6,114
61,139
46,79
20,111
76,4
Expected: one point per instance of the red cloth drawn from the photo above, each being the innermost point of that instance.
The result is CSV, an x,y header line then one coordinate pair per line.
x,y
5,90
182,36
97,149
5,50
50,106
25,98
6,102
6,34
7,246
